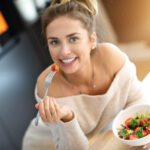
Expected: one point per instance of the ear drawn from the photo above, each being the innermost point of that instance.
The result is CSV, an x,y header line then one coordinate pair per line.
x,y
93,40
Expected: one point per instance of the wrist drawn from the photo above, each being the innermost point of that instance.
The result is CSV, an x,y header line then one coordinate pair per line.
x,y
68,117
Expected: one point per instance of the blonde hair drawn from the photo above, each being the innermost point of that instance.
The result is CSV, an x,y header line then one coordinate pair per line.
x,y
90,5
83,10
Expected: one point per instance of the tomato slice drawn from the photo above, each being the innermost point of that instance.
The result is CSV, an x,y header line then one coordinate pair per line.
x,y
145,132
137,128
127,122
143,121
148,130
133,137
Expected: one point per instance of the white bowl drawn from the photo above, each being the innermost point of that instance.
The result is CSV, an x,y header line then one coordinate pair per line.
x,y
123,115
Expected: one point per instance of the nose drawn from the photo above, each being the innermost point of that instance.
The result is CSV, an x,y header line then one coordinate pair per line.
x,y
64,49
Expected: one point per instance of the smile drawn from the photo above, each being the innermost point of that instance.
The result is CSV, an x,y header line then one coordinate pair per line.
x,y
68,60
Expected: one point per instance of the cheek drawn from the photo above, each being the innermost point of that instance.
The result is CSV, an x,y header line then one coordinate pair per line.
x,y
86,50
53,53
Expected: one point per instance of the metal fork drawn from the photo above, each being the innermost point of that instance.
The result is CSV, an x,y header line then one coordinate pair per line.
x,y
48,81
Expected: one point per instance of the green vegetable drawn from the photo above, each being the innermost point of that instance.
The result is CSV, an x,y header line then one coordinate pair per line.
x,y
147,124
139,133
134,123
123,133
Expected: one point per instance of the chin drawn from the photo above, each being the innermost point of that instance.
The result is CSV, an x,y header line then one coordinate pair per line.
x,y
70,69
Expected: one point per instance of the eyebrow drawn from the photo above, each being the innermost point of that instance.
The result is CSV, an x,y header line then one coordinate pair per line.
x,y
69,35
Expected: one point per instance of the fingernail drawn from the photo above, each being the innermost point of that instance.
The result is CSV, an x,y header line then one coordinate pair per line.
x,y
37,106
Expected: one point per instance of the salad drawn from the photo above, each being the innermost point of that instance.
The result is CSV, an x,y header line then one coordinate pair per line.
x,y
135,127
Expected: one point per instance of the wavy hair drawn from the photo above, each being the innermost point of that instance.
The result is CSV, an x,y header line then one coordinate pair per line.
x,y
83,10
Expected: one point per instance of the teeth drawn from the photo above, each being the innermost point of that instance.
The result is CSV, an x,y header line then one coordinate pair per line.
x,y
69,60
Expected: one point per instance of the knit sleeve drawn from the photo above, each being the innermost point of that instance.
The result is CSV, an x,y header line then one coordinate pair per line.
x,y
68,136
51,136
136,91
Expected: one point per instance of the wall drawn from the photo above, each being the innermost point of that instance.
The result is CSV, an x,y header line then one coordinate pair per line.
x,y
130,18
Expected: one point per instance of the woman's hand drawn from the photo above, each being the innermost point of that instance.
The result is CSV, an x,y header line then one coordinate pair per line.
x,y
147,146
51,111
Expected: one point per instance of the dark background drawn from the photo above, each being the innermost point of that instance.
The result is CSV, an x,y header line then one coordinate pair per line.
x,y
23,56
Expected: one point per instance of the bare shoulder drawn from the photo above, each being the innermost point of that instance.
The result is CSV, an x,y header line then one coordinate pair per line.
x,y
111,56
40,81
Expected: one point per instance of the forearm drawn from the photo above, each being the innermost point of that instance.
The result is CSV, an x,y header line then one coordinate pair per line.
x,y
136,93
69,135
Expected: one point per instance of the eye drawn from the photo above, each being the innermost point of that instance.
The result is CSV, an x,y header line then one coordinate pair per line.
x,y
73,39
54,42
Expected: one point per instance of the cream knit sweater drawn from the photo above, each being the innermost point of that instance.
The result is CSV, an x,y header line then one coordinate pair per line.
x,y
92,114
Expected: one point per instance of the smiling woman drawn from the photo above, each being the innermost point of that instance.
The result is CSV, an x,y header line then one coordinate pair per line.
x,y
68,47
95,81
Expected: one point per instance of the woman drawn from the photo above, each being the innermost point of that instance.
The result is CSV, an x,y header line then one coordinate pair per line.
x,y
95,81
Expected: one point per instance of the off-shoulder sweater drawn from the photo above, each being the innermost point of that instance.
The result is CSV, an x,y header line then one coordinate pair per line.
x,y
92,114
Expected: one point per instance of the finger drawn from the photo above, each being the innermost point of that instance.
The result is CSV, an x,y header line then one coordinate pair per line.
x,y
47,109
52,109
147,146
37,106
57,115
58,109
41,111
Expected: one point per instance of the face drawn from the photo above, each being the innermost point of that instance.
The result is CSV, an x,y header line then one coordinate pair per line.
x,y
69,44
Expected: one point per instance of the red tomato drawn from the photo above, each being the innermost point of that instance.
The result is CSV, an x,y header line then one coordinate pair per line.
x,y
133,137
143,121
127,122
54,67
145,132
137,129
148,129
